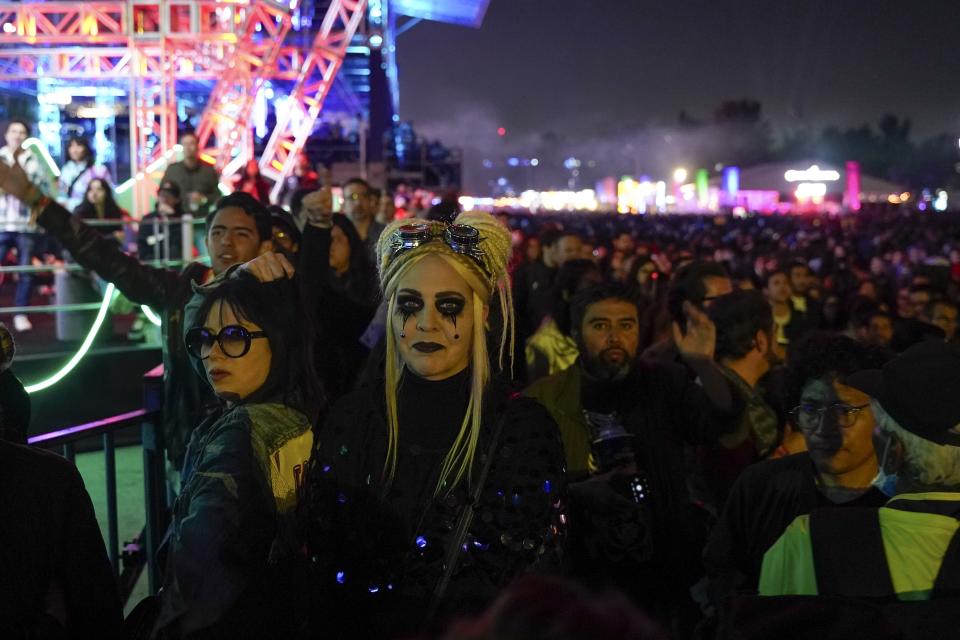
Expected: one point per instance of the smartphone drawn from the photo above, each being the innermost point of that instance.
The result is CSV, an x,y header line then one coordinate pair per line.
x,y
337,199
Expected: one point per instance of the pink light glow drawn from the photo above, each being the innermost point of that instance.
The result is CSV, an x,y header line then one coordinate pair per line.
x,y
853,186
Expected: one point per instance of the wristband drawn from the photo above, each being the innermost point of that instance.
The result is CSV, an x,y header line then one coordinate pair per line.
x,y
37,208
31,201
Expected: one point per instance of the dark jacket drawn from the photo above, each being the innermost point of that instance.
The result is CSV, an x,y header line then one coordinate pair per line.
x,y
166,291
668,410
372,557
664,410
533,284
801,323
756,436
51,548
152,237
341,317
233,523
764,500
202,179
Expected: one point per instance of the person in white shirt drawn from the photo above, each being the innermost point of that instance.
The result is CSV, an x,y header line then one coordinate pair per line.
x,y
15,228
78,172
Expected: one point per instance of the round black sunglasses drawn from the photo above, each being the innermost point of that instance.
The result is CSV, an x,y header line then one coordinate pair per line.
x,y
233,339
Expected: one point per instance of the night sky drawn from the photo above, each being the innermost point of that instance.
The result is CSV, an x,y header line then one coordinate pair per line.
x,y
601,69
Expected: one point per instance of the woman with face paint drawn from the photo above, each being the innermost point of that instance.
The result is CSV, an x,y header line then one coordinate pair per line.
x,y
435,486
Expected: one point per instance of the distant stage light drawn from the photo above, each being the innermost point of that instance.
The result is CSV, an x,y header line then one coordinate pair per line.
x,y
376,40
680,175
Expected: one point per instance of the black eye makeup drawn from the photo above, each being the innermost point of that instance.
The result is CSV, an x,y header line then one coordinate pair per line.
x,y
408,305
451,306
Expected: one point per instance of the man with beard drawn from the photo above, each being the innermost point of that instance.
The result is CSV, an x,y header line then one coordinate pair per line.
x,y
624,422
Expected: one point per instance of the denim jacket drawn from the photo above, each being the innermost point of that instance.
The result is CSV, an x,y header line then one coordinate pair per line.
x,y
234,518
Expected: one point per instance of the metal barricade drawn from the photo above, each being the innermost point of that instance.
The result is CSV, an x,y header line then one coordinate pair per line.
x,y
70,292
144,551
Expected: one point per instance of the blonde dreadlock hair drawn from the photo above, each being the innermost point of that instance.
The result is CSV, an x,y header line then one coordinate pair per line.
x,y
485,281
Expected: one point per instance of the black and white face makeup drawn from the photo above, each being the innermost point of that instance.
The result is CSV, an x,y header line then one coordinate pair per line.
x,y
433,319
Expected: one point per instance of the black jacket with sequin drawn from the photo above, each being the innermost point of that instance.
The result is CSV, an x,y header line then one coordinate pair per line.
x,y
377,560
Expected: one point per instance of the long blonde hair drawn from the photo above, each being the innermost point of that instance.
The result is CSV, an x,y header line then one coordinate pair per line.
x,y
484,281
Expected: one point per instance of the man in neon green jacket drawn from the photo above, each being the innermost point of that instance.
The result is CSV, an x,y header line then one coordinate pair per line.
x,y
916,401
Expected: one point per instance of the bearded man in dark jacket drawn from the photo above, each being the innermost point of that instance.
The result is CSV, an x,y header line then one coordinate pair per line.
x,y
624,424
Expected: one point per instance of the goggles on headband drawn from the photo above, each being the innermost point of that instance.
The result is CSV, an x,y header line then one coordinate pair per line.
x,y
461,238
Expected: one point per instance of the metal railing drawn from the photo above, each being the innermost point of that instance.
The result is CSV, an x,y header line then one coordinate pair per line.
x,y
143,551
164,258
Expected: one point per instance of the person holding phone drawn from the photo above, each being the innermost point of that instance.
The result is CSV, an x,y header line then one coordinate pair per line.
x,y
625,422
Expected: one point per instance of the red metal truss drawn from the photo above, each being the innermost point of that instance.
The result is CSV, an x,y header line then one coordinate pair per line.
x,y
116,62
152,43
104,23
64,22
295,123
226,118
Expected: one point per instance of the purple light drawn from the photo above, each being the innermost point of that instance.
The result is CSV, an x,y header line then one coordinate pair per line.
x,y
731,181
89,426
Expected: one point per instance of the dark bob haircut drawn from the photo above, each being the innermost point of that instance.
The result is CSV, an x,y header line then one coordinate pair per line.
x,y
276,308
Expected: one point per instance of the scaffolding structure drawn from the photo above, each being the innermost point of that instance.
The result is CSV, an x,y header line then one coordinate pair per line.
x,y
310,92
143,48
150,44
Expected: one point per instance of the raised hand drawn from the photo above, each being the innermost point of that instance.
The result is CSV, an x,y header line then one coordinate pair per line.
x,y
14,180
270,267
700,338
318,208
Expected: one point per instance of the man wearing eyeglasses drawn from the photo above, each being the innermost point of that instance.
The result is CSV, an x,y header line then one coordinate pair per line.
x,y
356,206
837,424
908,550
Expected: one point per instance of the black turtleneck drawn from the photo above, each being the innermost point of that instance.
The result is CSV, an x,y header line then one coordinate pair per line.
x,y
430,414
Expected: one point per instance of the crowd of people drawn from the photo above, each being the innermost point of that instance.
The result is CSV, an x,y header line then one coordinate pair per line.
x,y
462,425
190,186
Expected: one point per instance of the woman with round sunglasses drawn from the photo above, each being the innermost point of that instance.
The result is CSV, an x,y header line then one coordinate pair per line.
x,y
432,488
233,537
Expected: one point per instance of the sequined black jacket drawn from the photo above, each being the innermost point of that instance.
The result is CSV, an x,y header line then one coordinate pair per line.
x,y
375,570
